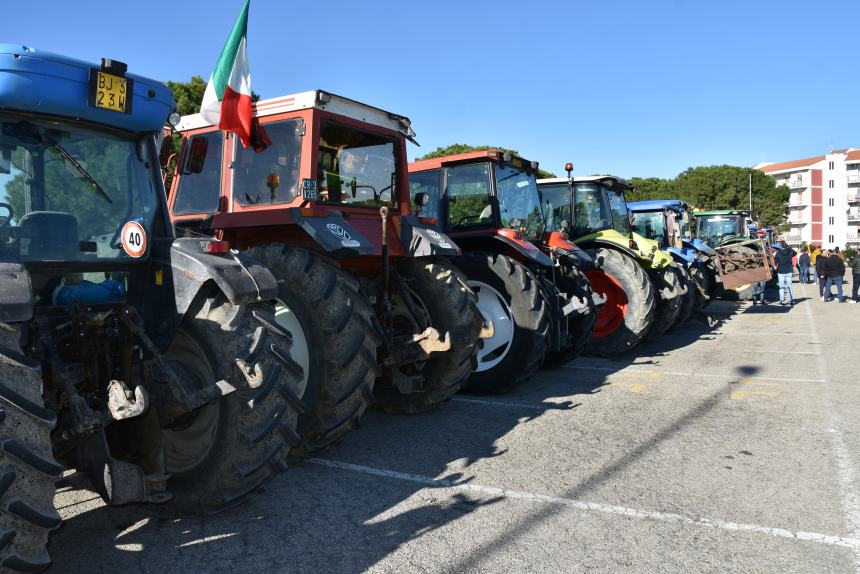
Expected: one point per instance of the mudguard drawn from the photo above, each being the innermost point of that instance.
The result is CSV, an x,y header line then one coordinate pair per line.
x,y
420,240
578,257
700,245
240,278
520,250
335,235
16,293
681,255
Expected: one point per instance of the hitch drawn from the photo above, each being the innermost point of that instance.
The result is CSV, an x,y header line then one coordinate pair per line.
x,y
487,330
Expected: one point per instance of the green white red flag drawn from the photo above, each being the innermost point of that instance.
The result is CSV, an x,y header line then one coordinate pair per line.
x,y
227,101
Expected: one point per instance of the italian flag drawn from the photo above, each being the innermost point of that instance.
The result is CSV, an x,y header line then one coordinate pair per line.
x,y
227,101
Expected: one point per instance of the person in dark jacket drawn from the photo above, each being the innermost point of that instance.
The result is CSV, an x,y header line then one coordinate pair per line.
x,y
820,260
783,259
834,269
803,267
855,276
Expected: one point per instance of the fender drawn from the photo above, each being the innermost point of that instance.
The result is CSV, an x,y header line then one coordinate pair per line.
x,y
334,235
240,278
681,255
594,243
16,292
699,245
520,250
421,240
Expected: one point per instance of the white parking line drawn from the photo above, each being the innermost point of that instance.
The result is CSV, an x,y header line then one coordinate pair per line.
x,y
693,375
844,463
667,517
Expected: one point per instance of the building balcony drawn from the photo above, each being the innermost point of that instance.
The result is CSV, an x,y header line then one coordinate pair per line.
x,y
791,237
796,183
796,204
853,239
853,178
853,215
854,198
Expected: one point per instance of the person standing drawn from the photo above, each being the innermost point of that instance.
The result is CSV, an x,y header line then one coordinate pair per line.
x,y
834,269
783,259
855,276
803,267
820,259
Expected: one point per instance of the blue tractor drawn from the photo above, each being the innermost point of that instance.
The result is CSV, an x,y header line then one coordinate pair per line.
x,y
151,365
667,222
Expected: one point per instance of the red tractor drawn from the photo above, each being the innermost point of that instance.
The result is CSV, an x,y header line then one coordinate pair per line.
x,y
376,309
528,282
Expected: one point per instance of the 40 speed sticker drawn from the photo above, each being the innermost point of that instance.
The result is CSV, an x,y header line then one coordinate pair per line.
x,y
133,239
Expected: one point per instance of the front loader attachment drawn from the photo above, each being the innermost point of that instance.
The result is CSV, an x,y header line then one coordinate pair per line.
x,y
743,263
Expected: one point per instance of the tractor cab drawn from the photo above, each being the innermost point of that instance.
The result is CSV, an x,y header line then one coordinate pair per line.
x,y
722,226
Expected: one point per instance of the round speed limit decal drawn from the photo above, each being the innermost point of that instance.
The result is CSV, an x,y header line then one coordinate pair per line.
x,y
133,239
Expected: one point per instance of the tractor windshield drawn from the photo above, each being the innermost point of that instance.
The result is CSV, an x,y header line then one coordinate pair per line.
x,y
651,225
714,229
592,209
519,201
356,167
69,189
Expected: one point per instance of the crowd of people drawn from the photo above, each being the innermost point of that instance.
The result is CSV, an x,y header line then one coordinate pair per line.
x,y
826,267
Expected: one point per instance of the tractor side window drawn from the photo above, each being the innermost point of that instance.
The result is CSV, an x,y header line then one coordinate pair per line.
x,y
592,210
468,195
425,182
556,203
199,192
272,175
356,167
620,215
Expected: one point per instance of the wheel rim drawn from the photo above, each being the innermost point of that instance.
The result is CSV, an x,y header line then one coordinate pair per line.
x,y
188,445
495,309
611,315
299,350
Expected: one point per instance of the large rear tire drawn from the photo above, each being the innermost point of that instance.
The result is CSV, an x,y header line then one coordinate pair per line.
x,y
703,284
573,282
28,471
669,299
509,296
225,450
630,302
446,303
322,305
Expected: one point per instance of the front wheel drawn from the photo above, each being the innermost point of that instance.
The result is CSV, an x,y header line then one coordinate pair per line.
x,y
690,297
630,305
509,297
669,299
220,453
438,293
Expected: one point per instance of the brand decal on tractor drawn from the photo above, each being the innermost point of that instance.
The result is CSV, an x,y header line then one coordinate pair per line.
x,y
438,238
345,238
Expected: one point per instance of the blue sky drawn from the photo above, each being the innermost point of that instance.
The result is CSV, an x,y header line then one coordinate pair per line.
x,y
630,88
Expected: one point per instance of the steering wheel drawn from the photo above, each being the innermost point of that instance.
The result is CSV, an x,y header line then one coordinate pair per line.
x,y
6,221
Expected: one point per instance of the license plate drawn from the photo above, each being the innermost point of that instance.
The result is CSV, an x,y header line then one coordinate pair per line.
x,y
110,92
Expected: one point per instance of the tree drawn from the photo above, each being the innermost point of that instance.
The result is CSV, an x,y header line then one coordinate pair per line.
x,y
465,148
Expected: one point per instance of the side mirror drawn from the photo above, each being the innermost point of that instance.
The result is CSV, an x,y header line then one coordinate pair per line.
x,y
197,155
164,152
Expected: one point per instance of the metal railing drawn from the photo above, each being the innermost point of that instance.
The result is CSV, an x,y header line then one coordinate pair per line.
x,y
795,183
853,177
853,215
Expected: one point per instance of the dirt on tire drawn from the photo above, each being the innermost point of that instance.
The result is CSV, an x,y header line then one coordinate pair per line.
x,y
440,289
337,323
28,472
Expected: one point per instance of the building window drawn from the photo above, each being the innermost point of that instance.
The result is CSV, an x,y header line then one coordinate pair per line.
x,y
830,220
830,183
830,239
831,202
830,166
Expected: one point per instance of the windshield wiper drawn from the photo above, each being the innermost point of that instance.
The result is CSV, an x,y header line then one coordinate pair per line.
x,y
64,153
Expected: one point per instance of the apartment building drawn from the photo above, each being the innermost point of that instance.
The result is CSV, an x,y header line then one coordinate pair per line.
x,y
824,205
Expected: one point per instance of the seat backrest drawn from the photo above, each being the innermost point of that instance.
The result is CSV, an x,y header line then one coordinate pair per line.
x,y
49,235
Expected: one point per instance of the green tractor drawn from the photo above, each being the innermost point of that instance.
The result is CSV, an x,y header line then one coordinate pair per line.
x,y
637,279
742,257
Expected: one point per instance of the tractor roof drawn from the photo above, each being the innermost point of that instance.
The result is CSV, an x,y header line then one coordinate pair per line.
x,y
656,205
607,180
320,100
43,82
721,212
470,157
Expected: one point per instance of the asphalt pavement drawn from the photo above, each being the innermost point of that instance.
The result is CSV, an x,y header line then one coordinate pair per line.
x,y
730,447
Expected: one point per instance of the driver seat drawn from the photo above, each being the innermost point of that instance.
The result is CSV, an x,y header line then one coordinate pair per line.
x,y
50,235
